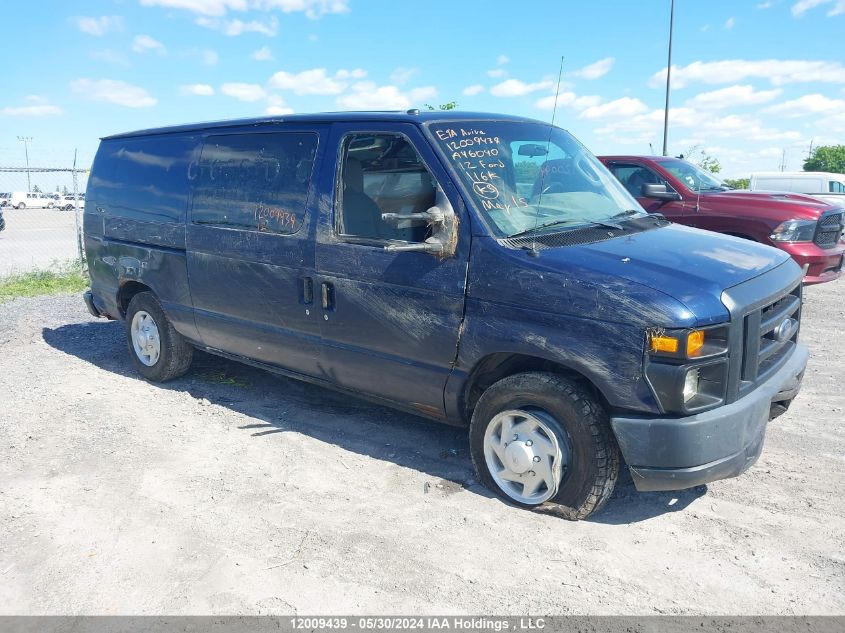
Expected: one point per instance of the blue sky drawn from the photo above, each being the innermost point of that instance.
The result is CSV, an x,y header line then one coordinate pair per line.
x,y
751,78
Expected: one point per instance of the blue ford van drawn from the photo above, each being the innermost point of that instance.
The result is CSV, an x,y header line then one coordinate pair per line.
x,y
482,270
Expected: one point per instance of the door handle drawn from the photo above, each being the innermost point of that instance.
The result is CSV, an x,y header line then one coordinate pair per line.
x,y
327,296
306,290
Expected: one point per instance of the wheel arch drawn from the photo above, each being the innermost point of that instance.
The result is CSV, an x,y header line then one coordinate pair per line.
x,y
128,289
493,367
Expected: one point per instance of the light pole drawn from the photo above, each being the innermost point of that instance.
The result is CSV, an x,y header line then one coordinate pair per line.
x,y
668,79
25,140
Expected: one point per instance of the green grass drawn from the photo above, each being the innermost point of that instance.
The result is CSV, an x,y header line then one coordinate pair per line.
x,y
61,278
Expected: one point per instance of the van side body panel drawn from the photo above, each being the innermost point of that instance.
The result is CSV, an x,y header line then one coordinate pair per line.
x,y
247,283
134,223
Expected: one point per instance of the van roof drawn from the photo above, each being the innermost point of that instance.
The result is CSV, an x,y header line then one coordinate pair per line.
x,y
405,116
797,174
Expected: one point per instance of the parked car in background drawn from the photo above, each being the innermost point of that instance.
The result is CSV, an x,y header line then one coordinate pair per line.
x,y
392,256
24,199
807,228
819,184
68,202
4,199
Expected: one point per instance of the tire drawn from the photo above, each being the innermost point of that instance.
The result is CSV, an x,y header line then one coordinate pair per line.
x,y
568,417
21,205
174,352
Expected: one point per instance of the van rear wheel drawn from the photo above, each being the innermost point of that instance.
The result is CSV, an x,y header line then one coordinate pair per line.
x,y
158,351
540,439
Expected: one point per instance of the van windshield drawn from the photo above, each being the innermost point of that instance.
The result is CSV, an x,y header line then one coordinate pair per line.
x,y
525,177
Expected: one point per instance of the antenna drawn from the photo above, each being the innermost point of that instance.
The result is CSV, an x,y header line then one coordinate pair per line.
x,y
534,251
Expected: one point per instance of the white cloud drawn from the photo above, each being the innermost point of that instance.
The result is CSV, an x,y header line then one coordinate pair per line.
x,y
777,71
733,96
730,22
113,91
568,100
800,8
276,106
422,93
366,95
501,60
765,5
402,75
313,9
808,104
236,27
595,70
36,105
99,26
315,81
263,54
144,43
278,110
243,91
201,90
619,108
472,90
497,72
517,88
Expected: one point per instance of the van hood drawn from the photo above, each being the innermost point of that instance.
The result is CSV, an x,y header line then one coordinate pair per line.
x,y
671,276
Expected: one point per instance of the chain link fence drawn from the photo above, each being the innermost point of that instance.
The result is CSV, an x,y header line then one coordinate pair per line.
x,y
42,209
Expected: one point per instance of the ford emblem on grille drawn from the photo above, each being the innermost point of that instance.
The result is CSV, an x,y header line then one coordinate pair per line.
x,y
786,329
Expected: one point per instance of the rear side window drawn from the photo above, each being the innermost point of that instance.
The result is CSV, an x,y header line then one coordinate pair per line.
x,y
143,178
836,187
256,182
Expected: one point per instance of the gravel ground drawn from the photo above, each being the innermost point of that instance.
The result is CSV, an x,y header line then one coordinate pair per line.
x,y
232,491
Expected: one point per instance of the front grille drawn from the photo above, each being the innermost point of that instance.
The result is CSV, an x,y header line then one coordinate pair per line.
x,y
770,335
764,327
829,230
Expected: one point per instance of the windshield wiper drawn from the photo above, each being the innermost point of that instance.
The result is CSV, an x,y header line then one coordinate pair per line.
x,y
539,227
607,225
625,213
546,225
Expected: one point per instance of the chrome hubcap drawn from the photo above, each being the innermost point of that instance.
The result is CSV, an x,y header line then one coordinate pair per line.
x,y
524,456
145,338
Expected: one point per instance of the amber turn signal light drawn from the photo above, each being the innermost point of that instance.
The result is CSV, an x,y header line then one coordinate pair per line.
x,y
695,341
667,344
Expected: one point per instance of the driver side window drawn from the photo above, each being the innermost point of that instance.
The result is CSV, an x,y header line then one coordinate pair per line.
x,y
633,177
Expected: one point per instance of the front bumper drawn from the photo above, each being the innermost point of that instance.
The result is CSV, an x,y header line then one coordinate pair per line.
x,y
823,264
682,452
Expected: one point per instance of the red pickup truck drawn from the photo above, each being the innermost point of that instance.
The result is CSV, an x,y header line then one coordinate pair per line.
x,y
807,228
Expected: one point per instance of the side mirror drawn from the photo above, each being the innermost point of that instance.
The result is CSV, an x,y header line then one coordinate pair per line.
x,y
441,217
659,192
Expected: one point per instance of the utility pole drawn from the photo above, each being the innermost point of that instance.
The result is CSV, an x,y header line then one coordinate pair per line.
x,y
668,80
25,140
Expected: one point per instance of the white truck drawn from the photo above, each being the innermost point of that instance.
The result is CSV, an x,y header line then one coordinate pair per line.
x,y
820,184
24,199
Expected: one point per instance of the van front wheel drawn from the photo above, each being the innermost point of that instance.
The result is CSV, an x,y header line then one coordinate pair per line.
x,y
540,438
158,351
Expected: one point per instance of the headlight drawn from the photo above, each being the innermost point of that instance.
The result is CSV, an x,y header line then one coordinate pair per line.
x,y
691,384
794,231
